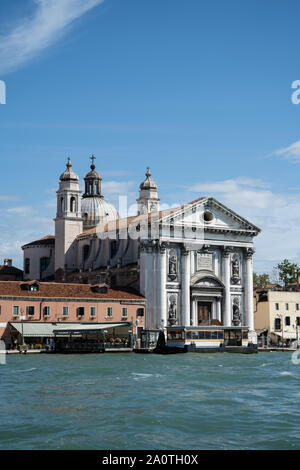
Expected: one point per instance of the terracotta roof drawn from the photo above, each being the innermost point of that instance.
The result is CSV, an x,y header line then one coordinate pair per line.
x,y
63,290
49,240
125,223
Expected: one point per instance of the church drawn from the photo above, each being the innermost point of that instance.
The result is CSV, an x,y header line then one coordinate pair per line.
x,y
193,263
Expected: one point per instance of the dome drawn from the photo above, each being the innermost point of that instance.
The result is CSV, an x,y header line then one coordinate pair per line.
x,y
69,174
148,183
96,210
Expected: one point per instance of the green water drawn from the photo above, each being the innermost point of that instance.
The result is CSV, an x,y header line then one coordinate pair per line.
x,y
131,401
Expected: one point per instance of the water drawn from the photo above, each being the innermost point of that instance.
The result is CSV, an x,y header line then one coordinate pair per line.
x,y
131,401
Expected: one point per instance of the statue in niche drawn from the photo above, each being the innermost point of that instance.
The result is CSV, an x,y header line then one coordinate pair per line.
x,y
236,316
172,312
235,270
173,268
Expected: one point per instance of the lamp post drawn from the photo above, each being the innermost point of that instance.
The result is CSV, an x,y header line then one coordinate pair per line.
x,y
21,318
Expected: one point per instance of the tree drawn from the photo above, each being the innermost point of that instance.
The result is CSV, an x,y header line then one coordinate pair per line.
x,y
288,272
261,280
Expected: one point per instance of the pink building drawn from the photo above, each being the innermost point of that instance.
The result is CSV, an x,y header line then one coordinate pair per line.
x,y
33,302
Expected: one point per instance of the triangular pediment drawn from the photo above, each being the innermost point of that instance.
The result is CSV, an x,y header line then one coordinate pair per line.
x,y
211,215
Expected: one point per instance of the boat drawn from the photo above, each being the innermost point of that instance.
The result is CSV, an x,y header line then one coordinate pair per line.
x,y
206,339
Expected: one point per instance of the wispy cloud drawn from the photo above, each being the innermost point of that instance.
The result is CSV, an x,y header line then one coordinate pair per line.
x,y
22,211
31,35
292,152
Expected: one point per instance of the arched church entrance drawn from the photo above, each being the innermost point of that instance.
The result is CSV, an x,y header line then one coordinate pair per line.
x,y
206,299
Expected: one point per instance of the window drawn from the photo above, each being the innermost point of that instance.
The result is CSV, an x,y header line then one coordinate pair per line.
x,y
46,311
65,311
86,252
114,246
30,311
175,335
277,324
73,204
140,312
80,311
287,321
109,311
34,288
276,306
124,312
27,266
297,306
44,263
93,311
298,321
286,306
15,311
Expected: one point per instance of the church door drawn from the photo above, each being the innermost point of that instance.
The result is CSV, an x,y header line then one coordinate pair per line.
x,y
204,313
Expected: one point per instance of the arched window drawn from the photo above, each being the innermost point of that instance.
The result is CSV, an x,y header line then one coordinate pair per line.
x,y
61,204
73,204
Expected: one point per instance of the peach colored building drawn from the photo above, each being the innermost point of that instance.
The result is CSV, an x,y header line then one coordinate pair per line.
x,y
43,302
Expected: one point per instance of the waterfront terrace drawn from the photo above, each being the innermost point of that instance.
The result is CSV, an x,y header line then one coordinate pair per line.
x,y
45,302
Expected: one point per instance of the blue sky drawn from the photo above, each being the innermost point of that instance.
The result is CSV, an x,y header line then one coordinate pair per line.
x,y
199,90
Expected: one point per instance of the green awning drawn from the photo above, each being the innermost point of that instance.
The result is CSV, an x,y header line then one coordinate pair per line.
x,y
49,330
40,330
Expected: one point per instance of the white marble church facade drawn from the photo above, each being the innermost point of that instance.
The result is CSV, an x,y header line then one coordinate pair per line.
x,y
193,263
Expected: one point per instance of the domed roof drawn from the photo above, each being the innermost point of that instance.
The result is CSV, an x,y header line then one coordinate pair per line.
x,y
148,183
96,210
69,174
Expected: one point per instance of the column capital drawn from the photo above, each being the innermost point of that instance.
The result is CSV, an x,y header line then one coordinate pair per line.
x,y
147,245
226,251
184,251
161,247
249,252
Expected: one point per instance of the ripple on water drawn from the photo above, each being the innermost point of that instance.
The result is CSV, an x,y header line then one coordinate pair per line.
x,y
211,401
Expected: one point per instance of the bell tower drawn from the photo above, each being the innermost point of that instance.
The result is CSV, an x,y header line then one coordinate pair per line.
x,y
68,221
148,200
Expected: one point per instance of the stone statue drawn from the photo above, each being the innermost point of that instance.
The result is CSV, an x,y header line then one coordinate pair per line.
x,y
173,268
172,312
235,271
236,317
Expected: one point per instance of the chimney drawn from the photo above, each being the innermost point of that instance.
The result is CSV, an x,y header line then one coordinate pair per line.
x,y
8,262
298,279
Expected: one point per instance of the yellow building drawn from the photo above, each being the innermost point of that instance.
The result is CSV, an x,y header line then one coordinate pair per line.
x,y
278,312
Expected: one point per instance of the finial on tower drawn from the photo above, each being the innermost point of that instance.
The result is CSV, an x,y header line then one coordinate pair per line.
x,y
93,158
148,174
69,164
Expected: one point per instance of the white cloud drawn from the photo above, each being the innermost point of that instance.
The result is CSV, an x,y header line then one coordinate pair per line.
x,y
30,36
292,152
22,211
249,192
116,187
277,214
